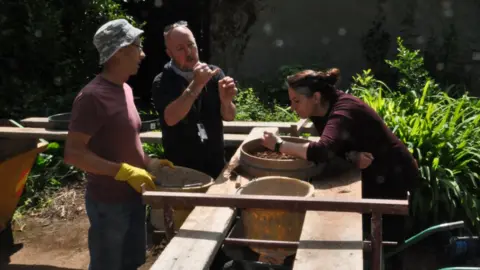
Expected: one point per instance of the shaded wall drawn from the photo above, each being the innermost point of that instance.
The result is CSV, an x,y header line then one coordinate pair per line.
x,y
253,38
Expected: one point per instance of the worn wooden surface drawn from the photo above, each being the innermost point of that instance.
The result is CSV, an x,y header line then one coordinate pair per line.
x,y
202,233
235,127
300,126
333,240
54,135
329,240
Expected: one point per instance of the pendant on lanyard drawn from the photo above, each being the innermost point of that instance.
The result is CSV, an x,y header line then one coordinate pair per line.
x,y
202,132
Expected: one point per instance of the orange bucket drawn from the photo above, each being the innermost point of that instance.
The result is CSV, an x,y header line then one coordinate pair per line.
x,y
14,172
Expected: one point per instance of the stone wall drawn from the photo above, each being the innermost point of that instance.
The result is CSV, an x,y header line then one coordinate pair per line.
x,y
253,38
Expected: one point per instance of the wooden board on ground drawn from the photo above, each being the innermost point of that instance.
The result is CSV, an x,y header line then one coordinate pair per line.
x,y
333,240
240,127
202,233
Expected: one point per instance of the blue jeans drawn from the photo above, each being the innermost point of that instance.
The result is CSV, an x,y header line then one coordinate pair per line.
x,y
117,235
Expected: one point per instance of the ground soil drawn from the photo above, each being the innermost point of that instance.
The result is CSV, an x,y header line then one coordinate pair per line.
x,y
56,238
273,155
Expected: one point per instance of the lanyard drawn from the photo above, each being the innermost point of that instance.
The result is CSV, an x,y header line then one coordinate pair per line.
x,y
197,104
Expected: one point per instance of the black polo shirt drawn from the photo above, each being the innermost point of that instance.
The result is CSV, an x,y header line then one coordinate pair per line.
x,y
181,142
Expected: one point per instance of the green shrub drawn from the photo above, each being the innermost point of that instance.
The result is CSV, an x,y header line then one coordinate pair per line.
x,y
273,89
48,174
251,108
47,53
441,132
154,150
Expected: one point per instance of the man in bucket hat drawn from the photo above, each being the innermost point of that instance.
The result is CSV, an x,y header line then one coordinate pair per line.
x,y
103,140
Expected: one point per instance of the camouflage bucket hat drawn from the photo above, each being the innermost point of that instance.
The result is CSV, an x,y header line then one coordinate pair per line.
x,y
113,36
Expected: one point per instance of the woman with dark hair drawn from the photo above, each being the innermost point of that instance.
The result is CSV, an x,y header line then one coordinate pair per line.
x,y
346,124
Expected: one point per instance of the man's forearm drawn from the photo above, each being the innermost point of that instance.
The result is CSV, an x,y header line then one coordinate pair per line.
x,y
228,111
89,162
179,108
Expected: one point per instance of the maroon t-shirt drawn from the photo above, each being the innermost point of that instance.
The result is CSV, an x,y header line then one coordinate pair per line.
x,y
107,113
352,125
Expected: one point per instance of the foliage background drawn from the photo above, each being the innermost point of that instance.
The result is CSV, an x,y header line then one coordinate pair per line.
x,y
439,128
46,52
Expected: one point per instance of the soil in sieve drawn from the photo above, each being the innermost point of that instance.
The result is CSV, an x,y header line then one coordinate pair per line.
x,y
268,154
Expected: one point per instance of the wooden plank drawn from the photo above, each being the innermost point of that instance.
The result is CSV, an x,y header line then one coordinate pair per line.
x,y
247,126
333,240
202,234
24,133
242,127
146,137
36,122
275,202
301,125
298,127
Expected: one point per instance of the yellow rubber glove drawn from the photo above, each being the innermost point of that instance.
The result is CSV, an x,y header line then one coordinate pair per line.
x,y
135,177
156,164
166,162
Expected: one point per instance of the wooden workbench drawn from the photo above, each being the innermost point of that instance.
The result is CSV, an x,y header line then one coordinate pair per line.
x,y
55,135
233,127
329,240
201,236
333,240
202,233
235,132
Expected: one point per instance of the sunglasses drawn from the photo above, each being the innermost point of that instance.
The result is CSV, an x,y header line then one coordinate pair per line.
x,y
174,25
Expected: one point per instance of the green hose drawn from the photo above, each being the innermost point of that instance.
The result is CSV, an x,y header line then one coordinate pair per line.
x,y
423,234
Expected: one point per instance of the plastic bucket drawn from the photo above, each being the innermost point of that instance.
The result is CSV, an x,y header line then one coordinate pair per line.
x,y
273,224
180,179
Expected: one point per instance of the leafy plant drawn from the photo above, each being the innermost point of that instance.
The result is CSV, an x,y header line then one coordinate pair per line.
x,y
48,174
154,150
441,132
410,68
250,108
47,53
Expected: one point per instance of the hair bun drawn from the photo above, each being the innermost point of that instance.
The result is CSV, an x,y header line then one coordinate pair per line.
x,y
332,76
329,77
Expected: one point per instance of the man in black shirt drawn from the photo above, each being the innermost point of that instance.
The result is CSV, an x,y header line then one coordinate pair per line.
x,y
192,99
